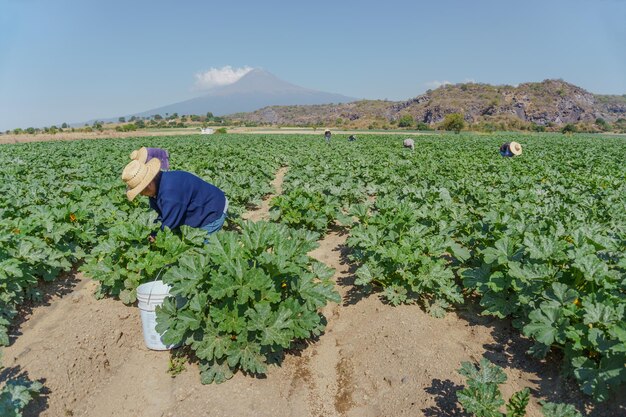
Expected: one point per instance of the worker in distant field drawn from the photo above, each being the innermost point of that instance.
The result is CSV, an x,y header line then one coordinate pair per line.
x,y
510,149
327,136
351,138
179,197
409,143
144,155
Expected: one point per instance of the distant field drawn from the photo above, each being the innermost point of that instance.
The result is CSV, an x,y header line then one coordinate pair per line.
x,y
106,134
111,133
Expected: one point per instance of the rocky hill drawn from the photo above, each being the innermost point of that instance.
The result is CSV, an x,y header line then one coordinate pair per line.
x,y
547,103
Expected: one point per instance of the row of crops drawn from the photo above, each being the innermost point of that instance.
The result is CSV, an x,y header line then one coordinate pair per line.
x,y
539,240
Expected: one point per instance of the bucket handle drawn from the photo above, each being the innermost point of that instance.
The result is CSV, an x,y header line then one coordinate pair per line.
x,y
154,280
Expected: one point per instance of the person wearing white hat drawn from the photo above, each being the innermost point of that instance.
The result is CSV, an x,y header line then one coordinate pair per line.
x,y
144,155
179,197
409,143
327,136
510,149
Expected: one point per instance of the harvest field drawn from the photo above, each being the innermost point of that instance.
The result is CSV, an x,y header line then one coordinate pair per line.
x,y
366,274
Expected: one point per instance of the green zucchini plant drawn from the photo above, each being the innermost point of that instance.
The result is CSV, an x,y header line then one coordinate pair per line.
x,y
246,298
125,258
397,249
482,397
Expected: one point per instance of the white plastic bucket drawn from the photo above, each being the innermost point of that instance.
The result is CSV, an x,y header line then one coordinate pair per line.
x,y
150,295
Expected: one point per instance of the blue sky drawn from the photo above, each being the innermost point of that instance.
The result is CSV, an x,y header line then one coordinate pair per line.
x,y
71,61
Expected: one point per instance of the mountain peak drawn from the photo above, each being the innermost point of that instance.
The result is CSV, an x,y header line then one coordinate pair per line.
x,y
257,89
258,81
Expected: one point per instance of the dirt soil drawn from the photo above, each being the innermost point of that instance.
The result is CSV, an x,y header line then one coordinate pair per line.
x,y
373,360
107,134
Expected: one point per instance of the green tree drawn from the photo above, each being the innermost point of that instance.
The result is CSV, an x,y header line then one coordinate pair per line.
x,y
422,126
209,115
537,128
158,117
406,121
64,126
453,122
130,127
122,119
569,128
602,124
140,124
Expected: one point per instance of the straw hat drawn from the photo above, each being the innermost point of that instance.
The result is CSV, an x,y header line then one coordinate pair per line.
x,y
515,148
138,175
140,154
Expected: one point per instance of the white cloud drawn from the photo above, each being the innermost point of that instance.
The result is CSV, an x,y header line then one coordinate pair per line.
x,y
215,77
437,84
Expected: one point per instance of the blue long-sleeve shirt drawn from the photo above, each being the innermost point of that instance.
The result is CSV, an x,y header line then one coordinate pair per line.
x,y
184,199
505,150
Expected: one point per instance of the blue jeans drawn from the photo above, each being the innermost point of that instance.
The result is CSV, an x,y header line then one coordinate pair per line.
x,y
214,226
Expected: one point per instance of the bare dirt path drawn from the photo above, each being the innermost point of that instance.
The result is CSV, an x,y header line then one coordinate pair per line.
x,y
373,360
263,212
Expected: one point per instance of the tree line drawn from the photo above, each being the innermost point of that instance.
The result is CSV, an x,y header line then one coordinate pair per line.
x,y
133,123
